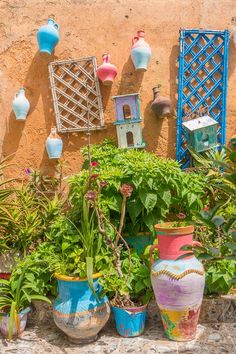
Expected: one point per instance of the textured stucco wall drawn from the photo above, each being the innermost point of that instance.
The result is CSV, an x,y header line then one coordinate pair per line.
x,y
93,27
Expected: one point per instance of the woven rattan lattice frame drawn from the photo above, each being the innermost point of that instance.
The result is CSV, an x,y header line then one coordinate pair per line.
x,y
202,82
76,95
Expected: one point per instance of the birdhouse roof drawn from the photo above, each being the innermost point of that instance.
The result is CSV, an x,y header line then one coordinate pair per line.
x,y
200,122
130,94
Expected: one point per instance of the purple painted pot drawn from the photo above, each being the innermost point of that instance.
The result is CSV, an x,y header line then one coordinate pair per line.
x,y
178,287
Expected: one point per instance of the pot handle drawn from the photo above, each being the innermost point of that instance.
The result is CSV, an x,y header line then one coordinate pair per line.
x,y
196,243
135,39
151,252
106,58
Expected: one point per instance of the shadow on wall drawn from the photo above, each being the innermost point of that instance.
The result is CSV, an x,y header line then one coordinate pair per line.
x,y
232,56
173,74
152,126
131,80
36,84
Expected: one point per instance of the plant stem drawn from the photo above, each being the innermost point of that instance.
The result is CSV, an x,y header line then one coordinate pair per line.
x,y
122,217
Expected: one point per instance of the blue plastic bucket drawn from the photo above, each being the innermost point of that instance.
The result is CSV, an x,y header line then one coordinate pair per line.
x,y
130,322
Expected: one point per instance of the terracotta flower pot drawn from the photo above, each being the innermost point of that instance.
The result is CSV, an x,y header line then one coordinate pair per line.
x,y
161,106
178,284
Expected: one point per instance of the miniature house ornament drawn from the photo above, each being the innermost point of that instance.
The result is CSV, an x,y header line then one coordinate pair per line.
x,y
128,121
21,105
201,133
107,72
54,145
140,52
161,106
48,37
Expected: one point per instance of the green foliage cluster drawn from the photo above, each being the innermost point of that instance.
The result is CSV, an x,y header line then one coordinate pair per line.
x,y
17,293
135,285
31,215
161,189
216,226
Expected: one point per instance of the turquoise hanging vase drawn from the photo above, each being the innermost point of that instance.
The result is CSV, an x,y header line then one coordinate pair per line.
x,y
21,105
48,37
54,145
140,52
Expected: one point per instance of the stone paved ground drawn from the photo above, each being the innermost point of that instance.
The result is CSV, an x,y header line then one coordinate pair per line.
x,y
217,338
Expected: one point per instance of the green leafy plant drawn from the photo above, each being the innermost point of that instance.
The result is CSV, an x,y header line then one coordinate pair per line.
x,y
160,188
219,276
75,250
134,287
17,294
31,215
219,251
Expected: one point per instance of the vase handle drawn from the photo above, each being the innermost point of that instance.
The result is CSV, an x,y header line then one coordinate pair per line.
x,y
151,252
196,243
106,58
56,26
135,39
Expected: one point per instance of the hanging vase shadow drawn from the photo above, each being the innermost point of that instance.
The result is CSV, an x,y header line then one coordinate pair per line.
x,y
173,74
105,93
131,80
38,83
13,135
152,128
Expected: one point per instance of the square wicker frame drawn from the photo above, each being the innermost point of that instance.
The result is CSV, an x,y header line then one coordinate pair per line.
x,y
76,95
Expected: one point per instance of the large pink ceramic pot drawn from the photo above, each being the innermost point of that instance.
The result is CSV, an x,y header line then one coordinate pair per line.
x,y
178,284
107,71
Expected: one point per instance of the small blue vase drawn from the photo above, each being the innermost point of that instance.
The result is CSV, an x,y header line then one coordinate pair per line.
x,y
21,105
130,322
77,311
48,37
54,145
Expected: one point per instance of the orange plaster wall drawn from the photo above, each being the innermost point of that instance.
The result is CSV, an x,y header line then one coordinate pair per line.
x,y
88,28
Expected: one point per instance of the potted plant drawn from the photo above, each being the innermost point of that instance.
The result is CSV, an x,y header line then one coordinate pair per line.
x,y
159,188
76,255
16,295
130,293
6,205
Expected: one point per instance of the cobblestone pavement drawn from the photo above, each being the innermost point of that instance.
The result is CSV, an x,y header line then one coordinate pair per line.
x,y
211,339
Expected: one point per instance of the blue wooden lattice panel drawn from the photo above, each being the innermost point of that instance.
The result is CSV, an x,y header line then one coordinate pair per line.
x,y
202,82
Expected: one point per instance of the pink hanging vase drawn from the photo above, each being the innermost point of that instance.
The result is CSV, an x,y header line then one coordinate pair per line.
x,y
107,72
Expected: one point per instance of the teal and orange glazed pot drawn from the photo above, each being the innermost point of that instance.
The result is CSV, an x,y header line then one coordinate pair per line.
x,y
140,241
130,321
77,311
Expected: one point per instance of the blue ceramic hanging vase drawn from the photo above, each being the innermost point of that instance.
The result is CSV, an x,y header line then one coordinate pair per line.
x,y
21,105
54,145
140,52
48,37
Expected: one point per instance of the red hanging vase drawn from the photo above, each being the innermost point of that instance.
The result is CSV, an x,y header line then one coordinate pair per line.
x,y
107,71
